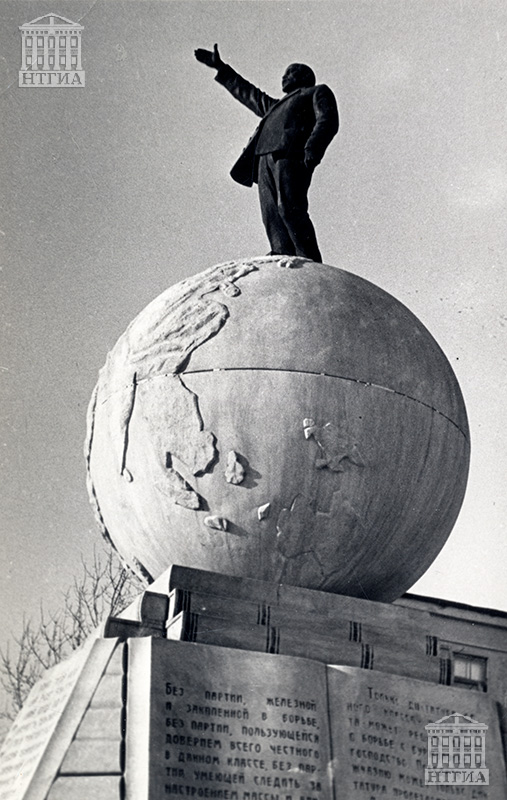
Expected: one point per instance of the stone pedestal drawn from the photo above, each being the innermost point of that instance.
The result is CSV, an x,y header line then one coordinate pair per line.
x,y
211,686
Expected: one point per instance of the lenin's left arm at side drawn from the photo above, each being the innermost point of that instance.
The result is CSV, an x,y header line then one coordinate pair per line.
x,y
326,124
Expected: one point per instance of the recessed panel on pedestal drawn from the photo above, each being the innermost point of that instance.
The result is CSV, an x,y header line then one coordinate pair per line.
x,y
225,724
379,740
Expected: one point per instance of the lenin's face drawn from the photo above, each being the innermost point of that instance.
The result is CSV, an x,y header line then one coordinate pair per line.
x,y
293,77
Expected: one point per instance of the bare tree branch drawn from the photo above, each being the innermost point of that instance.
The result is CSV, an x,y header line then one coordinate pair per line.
x,y
103,588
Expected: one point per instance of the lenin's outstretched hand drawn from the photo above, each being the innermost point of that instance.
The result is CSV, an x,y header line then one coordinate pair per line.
x,y
209,57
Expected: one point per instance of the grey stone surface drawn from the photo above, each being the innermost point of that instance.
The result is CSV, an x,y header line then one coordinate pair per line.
x,y
40,737
310,392
93,756
222,720
379,741
235,471
339,641
272,713
214,722
294,600
96,787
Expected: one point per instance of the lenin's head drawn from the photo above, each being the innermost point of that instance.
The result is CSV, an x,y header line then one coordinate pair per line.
x,y
297,76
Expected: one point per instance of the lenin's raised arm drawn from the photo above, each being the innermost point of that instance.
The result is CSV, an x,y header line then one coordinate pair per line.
x,y
253,98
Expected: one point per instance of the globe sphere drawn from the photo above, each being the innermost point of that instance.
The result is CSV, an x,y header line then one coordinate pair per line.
x,y
282,420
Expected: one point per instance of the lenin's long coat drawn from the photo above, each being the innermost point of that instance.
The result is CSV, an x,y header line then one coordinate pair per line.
x,y
303,121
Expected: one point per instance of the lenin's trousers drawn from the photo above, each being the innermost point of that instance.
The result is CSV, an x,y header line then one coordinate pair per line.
x,y
283,194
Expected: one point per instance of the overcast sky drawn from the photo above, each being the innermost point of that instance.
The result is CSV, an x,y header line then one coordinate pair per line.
x,y
113,192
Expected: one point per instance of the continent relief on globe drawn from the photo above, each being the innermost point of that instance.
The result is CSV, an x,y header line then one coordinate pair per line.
x,y
283,420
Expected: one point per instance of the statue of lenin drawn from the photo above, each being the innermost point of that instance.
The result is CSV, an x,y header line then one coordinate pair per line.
x,y
280,157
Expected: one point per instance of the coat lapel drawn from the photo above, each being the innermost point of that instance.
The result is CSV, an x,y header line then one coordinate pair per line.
x,y
278,102
243,170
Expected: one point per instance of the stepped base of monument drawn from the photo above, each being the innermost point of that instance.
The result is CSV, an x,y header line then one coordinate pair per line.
x,y
210,686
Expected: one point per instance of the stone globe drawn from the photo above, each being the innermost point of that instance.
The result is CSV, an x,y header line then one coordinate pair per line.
x,y
283,420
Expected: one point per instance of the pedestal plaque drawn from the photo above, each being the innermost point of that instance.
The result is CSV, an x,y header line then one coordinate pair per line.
x,y
225,724
379,741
